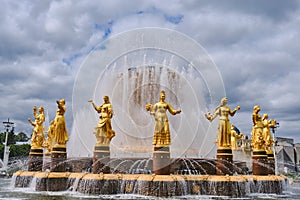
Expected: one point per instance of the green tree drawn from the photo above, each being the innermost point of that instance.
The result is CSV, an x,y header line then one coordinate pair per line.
x,y
21,137
2,137
19,150
1,151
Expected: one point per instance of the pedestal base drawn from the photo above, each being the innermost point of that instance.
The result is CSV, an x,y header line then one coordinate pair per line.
x,y
224,161
46,161
259,162
35,160
161,160
100,159
271,163
58,158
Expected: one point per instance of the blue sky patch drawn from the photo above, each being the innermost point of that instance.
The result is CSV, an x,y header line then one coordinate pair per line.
x,y
106,28
174,19
70,59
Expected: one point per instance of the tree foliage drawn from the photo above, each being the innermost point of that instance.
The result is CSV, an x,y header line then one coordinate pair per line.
x,y
21,137
15,150
19,150
1,151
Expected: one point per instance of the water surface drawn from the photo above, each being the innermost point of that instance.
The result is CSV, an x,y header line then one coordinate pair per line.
x,y
8,192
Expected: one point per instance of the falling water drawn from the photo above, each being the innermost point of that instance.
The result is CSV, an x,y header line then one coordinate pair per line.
x,y
131,89
132,69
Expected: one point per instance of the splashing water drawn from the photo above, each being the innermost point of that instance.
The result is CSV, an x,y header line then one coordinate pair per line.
x,y
132,68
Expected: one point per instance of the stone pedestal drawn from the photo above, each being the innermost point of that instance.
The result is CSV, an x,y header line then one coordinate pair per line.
x,y
46,161
224,161
35,160
161,160
259,162
271,163
58,158
101,159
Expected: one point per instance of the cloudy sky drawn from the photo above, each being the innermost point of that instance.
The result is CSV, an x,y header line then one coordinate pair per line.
x,y
255,45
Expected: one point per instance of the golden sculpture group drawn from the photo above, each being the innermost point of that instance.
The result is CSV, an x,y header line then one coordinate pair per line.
x,y
57,132
261,135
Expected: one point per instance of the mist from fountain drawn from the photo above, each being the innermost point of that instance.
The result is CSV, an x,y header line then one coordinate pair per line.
x,y
2,165
131,69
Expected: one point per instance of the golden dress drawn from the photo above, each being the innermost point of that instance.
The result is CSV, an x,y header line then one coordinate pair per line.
x,y
60,129
38,131
104,128
257,131
161,130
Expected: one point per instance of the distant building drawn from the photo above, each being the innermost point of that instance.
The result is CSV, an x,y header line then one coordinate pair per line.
x,y
287,155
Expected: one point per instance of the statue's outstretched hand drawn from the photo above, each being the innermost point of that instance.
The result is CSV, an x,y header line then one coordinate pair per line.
x,y
148,107
208,116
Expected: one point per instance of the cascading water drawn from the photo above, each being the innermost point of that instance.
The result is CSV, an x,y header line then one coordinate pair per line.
x,y
1,164
132,70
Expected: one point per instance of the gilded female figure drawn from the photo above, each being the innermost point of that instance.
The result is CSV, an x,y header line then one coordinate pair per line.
x,y
104,132
159,111
267,124
37,138
224,129
257,130
60,129
234,137
49,141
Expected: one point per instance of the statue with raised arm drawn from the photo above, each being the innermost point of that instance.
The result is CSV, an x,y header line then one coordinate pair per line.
x,y
60,128
257,130
224,129
159,111
103,131
37,138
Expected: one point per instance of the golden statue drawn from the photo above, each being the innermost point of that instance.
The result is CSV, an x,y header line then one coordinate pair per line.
x,y
37,138
103,130
224,130
50,139
60,130
267,124
234,137
159,111
257,130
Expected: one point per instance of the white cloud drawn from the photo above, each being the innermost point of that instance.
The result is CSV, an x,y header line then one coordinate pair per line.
x,y
255,45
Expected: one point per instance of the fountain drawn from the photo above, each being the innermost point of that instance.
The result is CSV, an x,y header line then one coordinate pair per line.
x,y
132,68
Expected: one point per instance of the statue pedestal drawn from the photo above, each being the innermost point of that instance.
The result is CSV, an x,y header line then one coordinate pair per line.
x,y
101,158
161,160
271,163
46,161
259,162
58,158
224,161
35,160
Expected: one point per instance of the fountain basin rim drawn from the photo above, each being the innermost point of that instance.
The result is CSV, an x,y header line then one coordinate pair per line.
x,y
151,177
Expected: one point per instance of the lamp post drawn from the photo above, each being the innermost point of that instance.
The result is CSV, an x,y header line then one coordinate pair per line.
x,y
9,126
